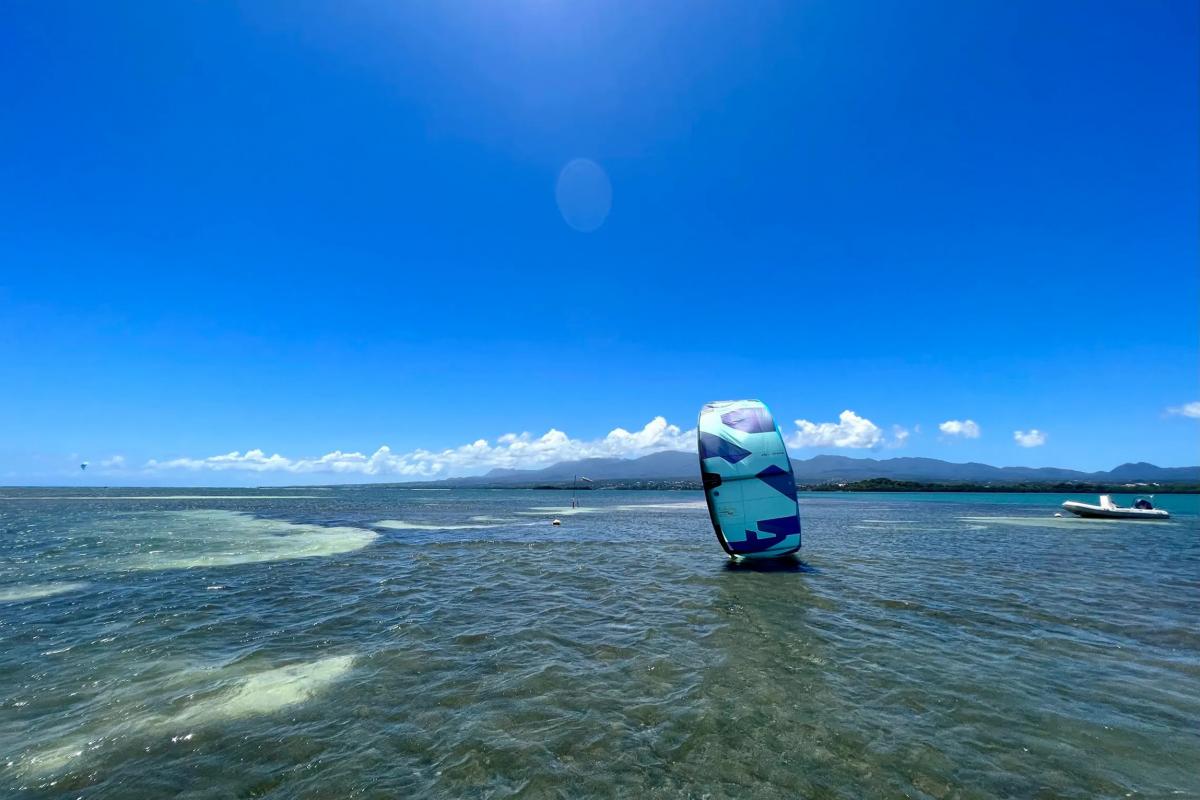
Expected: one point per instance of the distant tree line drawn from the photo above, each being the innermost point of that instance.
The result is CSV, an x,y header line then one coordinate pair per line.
x,y
868,485
890,485
1061,487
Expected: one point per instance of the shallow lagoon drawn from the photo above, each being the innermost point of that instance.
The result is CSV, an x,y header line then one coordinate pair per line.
x,y
378,642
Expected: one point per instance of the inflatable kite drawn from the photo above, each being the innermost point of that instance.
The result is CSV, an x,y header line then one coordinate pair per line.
x,y
748,480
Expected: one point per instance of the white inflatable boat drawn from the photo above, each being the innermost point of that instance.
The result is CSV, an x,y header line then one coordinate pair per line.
x,y
1107,509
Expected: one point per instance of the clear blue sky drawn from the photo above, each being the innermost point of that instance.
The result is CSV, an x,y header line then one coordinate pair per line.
x,y
308,227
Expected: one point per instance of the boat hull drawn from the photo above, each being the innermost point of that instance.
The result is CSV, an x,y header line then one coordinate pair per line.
x,y
1099,512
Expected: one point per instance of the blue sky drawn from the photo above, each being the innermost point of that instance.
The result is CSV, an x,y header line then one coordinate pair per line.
x,y
312,228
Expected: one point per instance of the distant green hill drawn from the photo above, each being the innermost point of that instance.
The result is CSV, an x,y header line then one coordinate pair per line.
x,y
888,485
825,469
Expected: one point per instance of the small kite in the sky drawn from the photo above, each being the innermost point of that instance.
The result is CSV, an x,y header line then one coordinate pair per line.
x,y
83,466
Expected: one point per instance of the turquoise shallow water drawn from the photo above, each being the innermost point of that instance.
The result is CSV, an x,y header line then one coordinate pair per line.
x,y
371,642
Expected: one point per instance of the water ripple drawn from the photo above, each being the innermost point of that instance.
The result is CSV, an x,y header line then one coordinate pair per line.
x,y
306,648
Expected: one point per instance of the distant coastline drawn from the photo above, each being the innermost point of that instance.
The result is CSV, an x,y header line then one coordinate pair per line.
x,y
873,485
888,485
671,469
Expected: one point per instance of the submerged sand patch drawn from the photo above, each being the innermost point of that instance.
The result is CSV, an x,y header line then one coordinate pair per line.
x,y
216,538
236,693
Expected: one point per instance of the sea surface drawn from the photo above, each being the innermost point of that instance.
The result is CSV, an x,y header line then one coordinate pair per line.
x,y
377,642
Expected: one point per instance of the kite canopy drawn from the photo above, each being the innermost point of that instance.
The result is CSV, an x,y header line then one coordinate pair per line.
x,y
748,480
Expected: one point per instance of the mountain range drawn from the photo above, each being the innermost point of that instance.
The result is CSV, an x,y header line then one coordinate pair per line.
x,y
677,465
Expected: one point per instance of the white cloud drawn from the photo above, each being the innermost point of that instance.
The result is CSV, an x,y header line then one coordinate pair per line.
x,y
966,428
850,430
115,462
516,451
900,436
1186,410
512,450
1030,438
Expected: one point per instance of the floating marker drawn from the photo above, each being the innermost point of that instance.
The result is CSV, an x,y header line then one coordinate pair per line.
x,y
748,480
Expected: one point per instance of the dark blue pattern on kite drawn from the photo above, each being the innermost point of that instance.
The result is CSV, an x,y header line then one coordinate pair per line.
x,y
749,420
753,544
781,525
715,447
779,529
779,479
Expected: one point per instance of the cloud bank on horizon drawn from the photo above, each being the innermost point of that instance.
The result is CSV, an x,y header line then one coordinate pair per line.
x,y
510,451
526,451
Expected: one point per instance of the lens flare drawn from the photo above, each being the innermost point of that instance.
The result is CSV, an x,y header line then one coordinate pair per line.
x,y
584,195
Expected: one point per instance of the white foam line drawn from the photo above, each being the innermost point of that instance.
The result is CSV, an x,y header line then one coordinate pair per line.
x,y
681,506
567,511
557,511
33,591
401,525
1072,522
